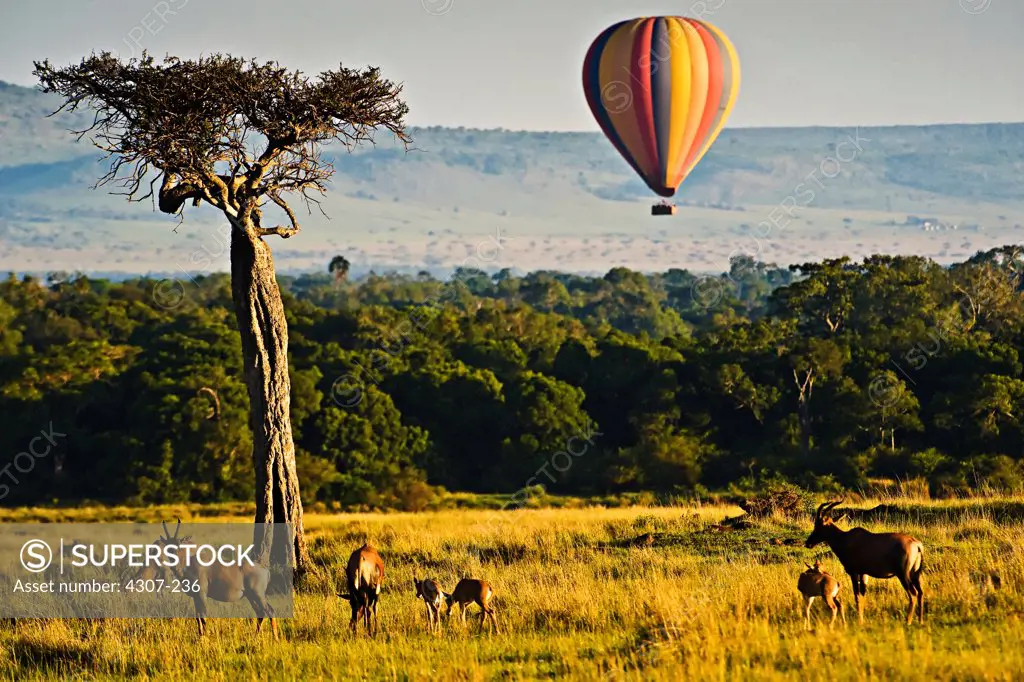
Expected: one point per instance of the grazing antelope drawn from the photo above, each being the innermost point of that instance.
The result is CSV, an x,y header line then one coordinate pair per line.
x,y
429,590
469,591
814,583
878,555
223,583
148,572
364,576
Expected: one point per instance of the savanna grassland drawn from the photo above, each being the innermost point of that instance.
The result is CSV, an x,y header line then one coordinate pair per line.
x,y
595,593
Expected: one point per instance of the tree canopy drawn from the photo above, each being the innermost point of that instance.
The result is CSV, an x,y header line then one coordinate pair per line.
x,y
835,373
232,132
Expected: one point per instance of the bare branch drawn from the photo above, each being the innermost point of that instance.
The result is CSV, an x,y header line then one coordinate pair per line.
x,y
280,230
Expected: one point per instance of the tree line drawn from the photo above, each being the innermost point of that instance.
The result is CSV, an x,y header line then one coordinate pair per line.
x,y
824,374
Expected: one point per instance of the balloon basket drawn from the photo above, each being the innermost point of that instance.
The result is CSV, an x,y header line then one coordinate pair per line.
x,y
663,209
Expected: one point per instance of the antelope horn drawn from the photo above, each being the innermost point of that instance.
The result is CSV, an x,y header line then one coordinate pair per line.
x,y
167,533
829,506
177,529
821,508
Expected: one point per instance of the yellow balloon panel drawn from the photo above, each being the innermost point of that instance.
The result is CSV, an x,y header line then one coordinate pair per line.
x,y
662,89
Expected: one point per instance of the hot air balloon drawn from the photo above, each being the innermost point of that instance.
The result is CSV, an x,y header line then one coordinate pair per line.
x,y
662,88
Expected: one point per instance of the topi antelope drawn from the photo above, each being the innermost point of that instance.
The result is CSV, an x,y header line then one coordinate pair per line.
x,y
469,591
364,576
429,590
814,583
879,555
223,583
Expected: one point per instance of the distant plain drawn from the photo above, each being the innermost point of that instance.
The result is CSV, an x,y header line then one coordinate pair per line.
x,y
562,201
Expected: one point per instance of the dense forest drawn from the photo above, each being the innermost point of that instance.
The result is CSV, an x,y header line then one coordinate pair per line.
x,y
823,374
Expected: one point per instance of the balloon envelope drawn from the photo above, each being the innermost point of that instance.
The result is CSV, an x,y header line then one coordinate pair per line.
x,y
661,88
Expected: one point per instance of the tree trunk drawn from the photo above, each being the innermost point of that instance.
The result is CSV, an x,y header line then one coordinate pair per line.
x,y
804,414
264,332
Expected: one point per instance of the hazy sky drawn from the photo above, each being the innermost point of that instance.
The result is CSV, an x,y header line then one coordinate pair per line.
x,y
516,63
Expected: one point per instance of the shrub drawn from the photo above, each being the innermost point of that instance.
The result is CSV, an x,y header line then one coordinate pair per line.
x,y
780,498
984,473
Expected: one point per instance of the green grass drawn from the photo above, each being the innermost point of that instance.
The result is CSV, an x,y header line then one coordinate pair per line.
x,y
576,597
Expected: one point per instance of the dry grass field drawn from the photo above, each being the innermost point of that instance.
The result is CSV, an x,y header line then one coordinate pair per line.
x,y
598,593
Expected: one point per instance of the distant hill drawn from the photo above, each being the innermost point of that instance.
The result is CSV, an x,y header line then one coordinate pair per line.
x,y
566,200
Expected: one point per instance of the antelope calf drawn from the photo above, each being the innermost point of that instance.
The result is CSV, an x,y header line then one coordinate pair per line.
x,y
814,583
878,555
429,590
469,591
223,583
364,576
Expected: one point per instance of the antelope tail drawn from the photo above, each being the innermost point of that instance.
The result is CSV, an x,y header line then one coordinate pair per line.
x,y
916,560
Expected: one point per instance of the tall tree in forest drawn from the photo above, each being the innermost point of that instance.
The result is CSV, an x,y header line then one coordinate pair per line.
x,y
339,268
239,135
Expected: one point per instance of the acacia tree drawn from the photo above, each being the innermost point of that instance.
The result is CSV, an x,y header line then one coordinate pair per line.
x,y
240,136
339,267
